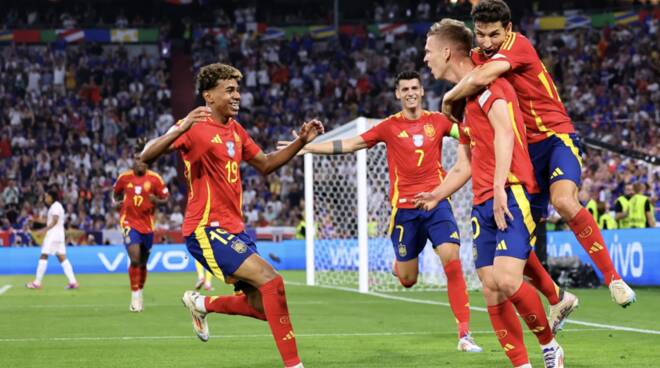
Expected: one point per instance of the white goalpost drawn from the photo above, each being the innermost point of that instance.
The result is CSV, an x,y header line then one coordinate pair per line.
x,y
347,215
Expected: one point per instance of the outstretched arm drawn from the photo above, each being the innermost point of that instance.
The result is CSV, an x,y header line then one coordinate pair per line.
x,y
457,176
157,146
472,83
335,147
267,163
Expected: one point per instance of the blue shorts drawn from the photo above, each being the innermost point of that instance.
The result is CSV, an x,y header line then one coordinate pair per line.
x,y
558,157
410,227
518,238
132,236
219,251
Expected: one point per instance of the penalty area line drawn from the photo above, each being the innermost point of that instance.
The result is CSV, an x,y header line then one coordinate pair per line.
x,y
599,326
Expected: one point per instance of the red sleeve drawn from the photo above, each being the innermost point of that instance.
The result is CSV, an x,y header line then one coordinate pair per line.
x,y
120,184
250,147
183,142
463,136
161,190
374,135
516,50
491,94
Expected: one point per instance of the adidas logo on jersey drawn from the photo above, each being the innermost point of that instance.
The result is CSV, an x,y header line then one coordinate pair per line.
x,y
501,245
403,134
454,235
557,172
216,139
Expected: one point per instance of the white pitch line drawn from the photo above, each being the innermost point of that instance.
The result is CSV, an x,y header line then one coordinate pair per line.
x,y
240,336
4,289
481,309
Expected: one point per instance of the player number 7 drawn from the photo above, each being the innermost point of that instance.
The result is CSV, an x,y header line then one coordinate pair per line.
x,y
421,157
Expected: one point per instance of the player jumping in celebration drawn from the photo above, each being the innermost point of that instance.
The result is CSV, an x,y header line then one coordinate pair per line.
x,y
212,145
139,191
553,144
53,243
493,150
414,148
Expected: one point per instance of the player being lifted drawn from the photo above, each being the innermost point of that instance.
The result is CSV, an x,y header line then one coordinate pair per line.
x,y
413,138
493,150
553,144
212,145
138,191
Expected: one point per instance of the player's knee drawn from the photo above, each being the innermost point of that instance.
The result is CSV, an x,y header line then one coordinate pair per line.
x,y
407,281
507,284
565,204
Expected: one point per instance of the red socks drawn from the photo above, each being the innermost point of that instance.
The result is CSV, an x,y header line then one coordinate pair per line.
x,y
530,308
134,277
143,276
277,313
234,305
588,234
540,278
509,332
458,297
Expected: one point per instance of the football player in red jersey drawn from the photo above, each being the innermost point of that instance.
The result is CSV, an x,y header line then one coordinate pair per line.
x,y
138,191
212,144
413,138
493,151
553,144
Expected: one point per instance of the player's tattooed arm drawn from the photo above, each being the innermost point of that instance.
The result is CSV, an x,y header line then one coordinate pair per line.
x,y
336,147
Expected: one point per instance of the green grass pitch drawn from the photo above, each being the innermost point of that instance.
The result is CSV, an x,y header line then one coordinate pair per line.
x,y
92,327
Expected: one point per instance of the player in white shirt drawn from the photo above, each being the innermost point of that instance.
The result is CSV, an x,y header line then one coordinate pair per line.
x,y
54,243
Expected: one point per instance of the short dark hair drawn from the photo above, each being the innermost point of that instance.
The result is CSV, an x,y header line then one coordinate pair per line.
x,y
407,75
208,76
455,32
54,193
489,11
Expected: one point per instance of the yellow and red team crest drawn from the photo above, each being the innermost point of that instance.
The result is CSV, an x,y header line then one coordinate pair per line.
x,y
429,130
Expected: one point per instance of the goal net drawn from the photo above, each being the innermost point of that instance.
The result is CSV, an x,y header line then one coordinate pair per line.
x,y
347,210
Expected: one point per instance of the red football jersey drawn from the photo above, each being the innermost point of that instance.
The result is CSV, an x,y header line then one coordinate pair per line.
x,y
543,111
137,210
477,131
414,153
212,153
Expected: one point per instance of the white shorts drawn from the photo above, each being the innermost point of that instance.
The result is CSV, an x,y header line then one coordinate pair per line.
x,y
52,247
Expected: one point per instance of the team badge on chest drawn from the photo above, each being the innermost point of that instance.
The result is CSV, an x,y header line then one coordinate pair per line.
x,y
138,189
231,148
429,130
418,140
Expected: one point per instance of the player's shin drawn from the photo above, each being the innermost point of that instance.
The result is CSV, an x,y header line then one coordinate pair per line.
x,y
234,305
143,276
588,234
529,306
509,332
458,296
277,313
134,277
540,279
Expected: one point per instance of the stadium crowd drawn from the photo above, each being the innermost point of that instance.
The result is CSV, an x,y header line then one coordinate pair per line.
x,y
71,115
